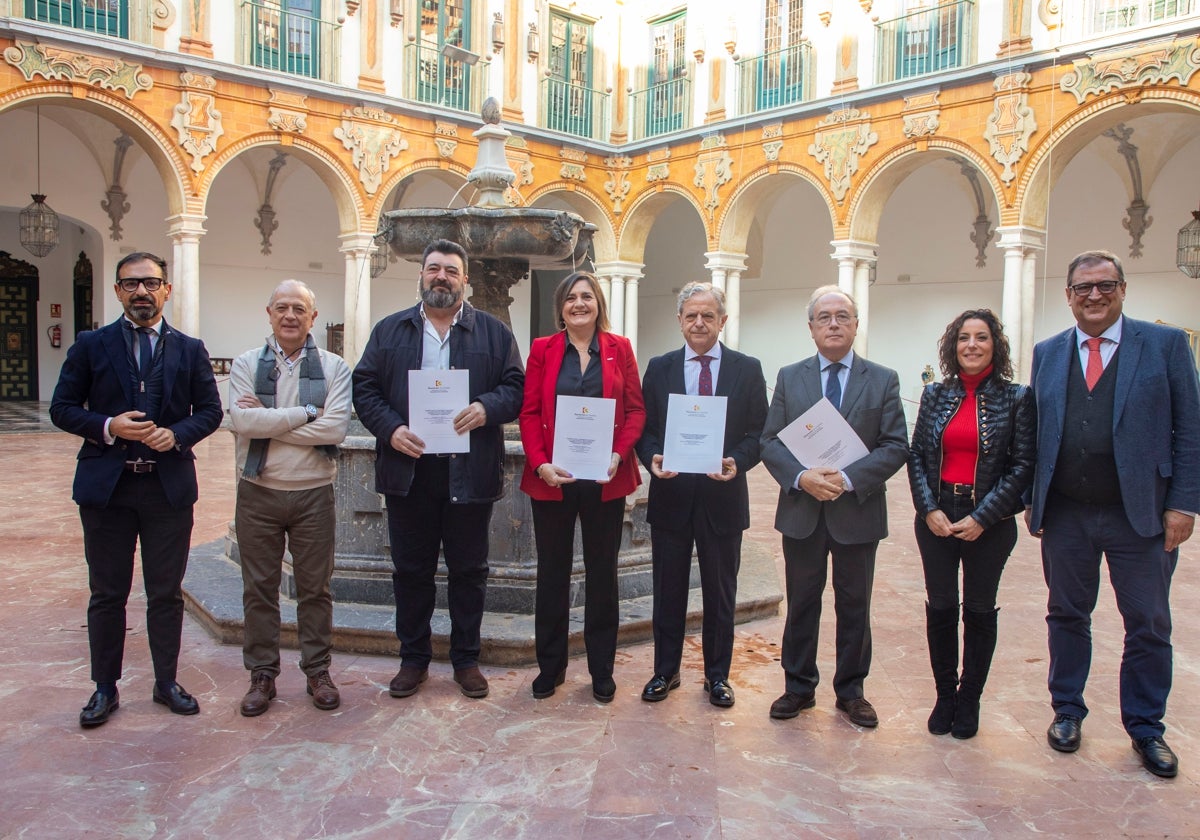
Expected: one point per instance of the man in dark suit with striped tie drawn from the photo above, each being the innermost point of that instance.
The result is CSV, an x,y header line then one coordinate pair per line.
x,y
709,512
141,394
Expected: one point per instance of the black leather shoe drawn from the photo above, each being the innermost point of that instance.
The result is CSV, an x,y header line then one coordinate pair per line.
x,y
791,704
720,693
860,712
98,708
659,687
544,685
176,699
604,689
1157,757
1065,733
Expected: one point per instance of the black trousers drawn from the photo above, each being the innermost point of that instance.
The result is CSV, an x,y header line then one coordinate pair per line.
x,y
718,557
806,564
554,534
982,559
420,525
138,511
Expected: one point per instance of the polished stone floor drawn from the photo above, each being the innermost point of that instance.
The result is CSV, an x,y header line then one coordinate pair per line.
x,y
437,765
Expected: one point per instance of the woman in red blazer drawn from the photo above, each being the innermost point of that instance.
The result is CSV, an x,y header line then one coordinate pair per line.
x,y
583,359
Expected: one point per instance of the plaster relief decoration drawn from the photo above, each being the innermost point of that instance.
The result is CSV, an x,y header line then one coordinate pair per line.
x,y
162,15
52,63
115,202
1011,123
772,136
1148,63
1137,219
572,167
982,230
287,112
445,138
922,113
371,147
617,186
265,220
195,119
714,168
516,152
840,141
659,168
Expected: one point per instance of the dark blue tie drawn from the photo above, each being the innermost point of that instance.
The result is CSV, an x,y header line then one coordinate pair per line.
x,y
145,353
833,385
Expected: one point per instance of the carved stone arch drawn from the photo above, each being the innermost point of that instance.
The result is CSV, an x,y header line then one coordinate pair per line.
x,y
1069,136
333,173
639,216
163,152
755,194
437,167
865,207
591,207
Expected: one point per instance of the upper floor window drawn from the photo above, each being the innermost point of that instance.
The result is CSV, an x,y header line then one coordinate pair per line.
x,y
107,17
573,105
926,38
1112,15
290,36
441,75
663,105
777,76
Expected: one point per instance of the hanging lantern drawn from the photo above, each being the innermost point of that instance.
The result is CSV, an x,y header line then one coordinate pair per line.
x,y
1187,255
39,224
379,260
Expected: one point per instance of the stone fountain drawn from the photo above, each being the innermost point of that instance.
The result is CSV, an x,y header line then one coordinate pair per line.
x,y
504,243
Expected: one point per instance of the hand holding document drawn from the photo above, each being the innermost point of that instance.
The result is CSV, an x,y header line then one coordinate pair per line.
x,y
435,397
583,436
821,437
694,437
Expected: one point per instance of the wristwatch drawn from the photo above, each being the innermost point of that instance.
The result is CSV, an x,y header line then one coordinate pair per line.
x,y
311,411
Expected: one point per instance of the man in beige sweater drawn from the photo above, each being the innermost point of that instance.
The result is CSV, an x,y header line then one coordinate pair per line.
x,y
290,408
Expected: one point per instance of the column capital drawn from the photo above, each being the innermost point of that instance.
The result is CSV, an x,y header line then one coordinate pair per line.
x,y
357,241
623,268
186,223
853,249
725,260
1020,238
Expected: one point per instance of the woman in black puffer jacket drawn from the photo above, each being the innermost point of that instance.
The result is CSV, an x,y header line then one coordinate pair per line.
x,y
972,457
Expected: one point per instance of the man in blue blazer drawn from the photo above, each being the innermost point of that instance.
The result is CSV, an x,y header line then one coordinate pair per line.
x,y
1118,473
141,394
825,512
709,512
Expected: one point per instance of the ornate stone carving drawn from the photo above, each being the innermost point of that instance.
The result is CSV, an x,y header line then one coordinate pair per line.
x,y
921,113
1011,123
772,149
1155,62
162,14
659,168
572,166
840,141
516,152
265,220
617,186
115,202
371,147
196,120
287,112
714,168
1138,217
55,63
445,138
982,231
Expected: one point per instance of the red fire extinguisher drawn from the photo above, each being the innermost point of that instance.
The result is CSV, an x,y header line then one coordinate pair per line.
x,y
55,333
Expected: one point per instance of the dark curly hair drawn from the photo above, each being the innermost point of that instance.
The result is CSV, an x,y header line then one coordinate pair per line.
x,y
948,345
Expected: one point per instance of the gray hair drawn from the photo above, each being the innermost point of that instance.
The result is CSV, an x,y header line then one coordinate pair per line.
x,y
822,291
691,290
304,288
1090,258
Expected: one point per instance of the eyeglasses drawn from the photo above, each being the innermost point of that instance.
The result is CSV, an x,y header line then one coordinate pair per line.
x,y
1106,287
130,284
826,318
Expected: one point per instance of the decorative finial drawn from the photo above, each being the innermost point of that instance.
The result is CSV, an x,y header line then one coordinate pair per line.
x,y
491,111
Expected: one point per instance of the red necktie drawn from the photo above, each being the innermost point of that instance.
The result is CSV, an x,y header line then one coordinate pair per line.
x,y
705,376
1095,365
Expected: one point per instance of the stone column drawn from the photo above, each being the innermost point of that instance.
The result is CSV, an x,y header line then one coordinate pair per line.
x,y
726,268
631,309
616,304
185,231
854,260
616,278
1021,246
356,319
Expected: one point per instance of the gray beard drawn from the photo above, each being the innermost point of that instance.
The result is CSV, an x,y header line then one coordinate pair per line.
x,y
438,298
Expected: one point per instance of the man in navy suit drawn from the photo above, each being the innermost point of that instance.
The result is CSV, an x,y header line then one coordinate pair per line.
x,y
824,512
1118,474
141,394
707,511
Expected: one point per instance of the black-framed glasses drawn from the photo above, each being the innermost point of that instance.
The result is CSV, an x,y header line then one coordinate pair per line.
x,y
1105,287
130,284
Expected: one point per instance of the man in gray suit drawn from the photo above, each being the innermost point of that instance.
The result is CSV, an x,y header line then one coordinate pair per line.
x,y
1118,473
824,511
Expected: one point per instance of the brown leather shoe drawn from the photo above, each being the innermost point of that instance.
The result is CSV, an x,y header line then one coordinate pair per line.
x,y
324,693
407,681
471,681
260,695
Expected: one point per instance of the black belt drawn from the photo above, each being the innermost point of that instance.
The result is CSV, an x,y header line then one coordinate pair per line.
x,y
139,467
955,489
